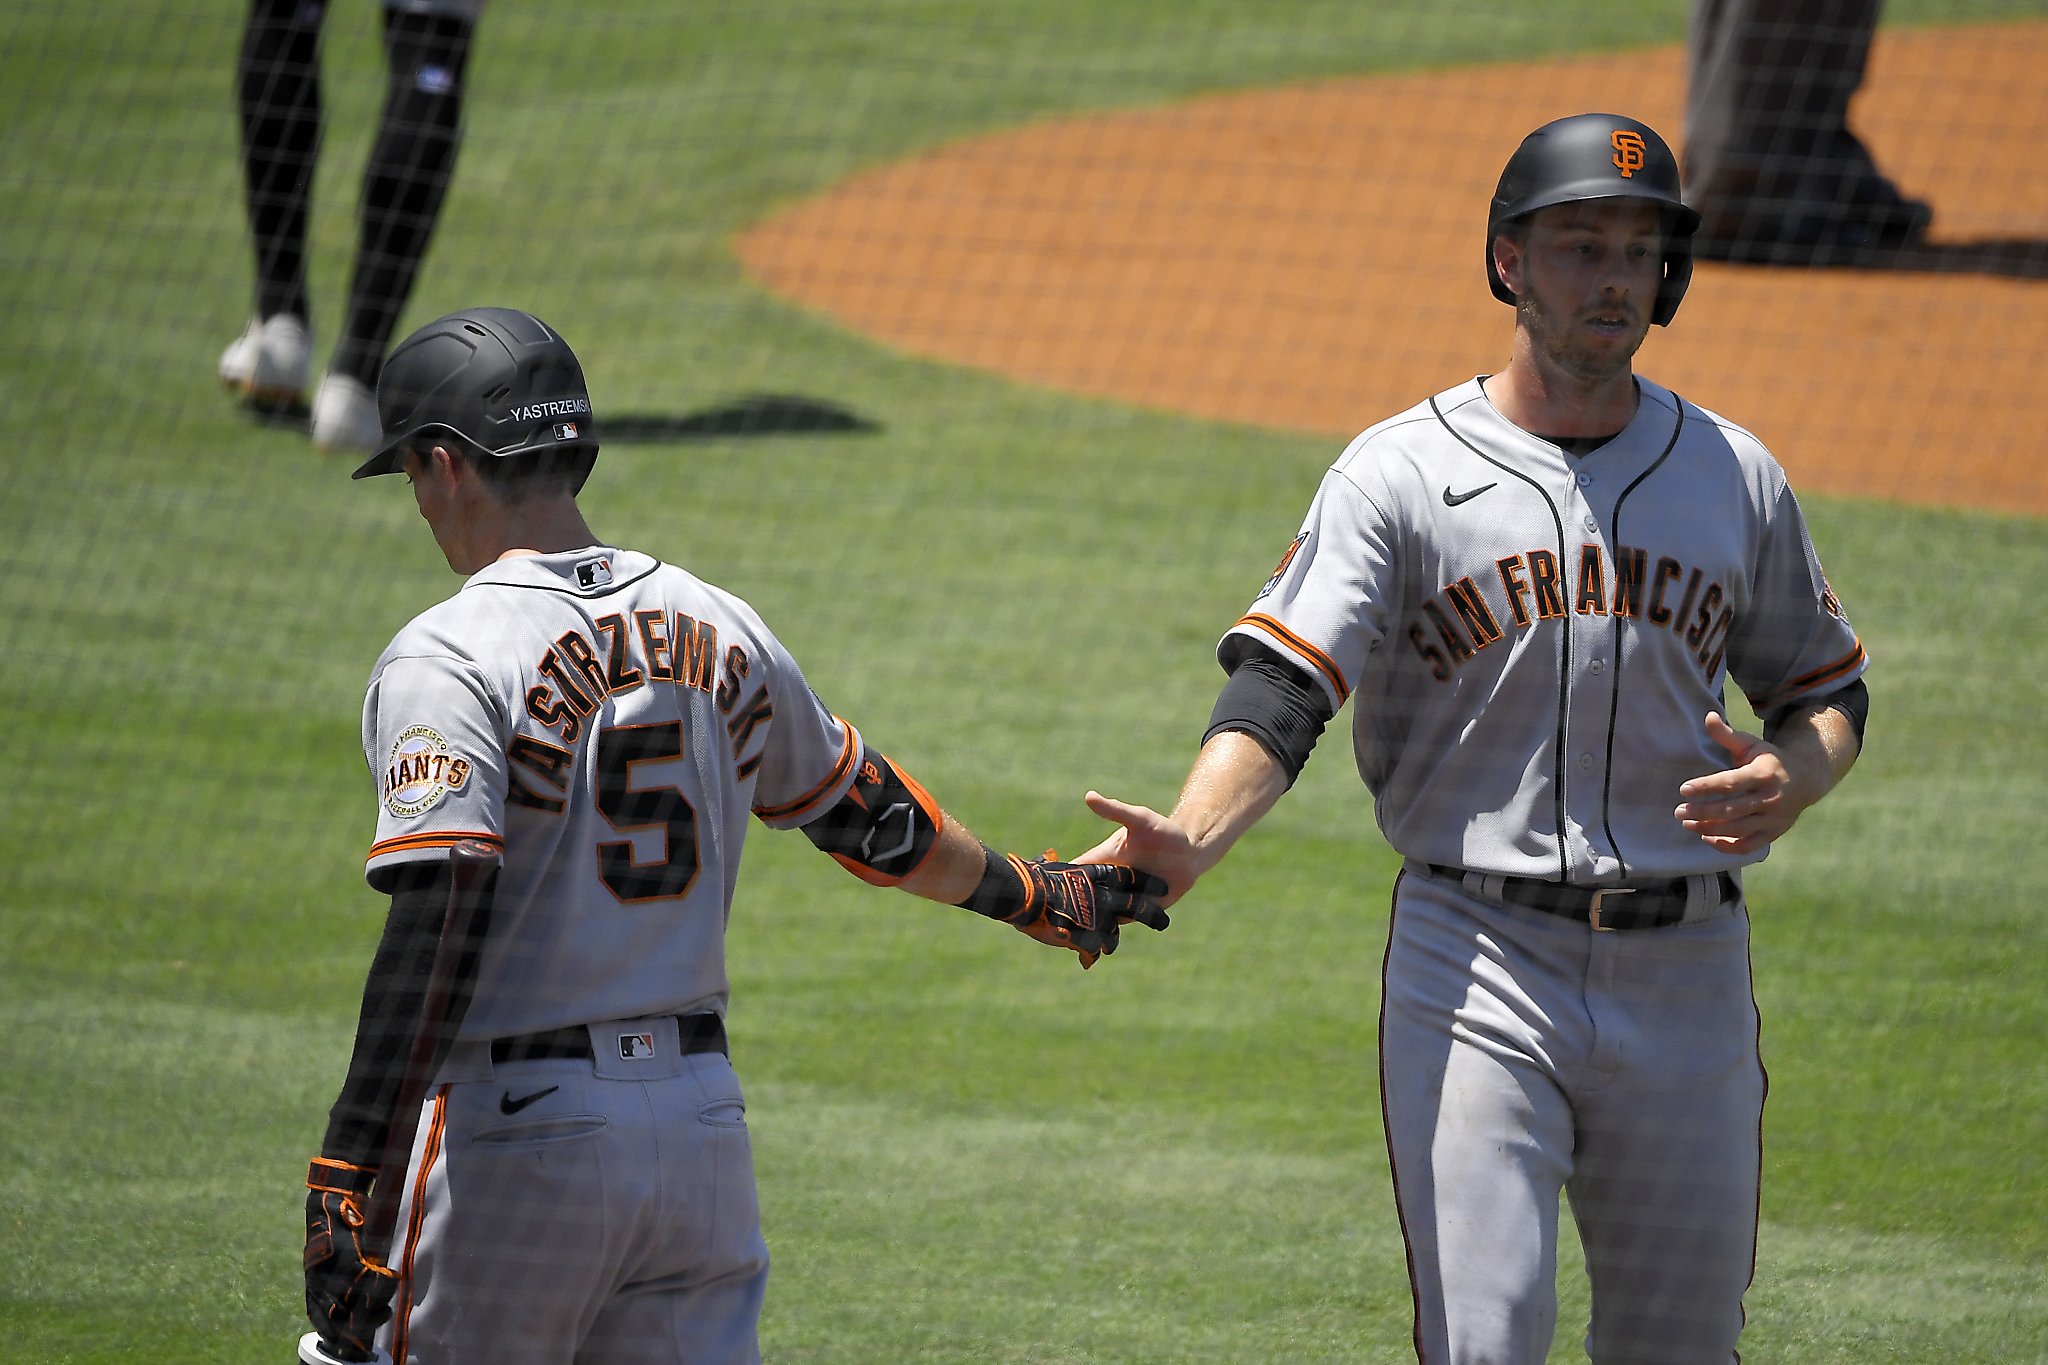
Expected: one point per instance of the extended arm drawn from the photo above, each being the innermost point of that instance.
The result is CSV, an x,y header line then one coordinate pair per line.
x,y
1265,724
888,830
1233,783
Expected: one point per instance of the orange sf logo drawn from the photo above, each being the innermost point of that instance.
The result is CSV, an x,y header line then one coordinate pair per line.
x,y
1628,151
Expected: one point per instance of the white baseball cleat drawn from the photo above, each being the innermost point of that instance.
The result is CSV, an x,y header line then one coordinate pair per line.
x,y
345,415
265,367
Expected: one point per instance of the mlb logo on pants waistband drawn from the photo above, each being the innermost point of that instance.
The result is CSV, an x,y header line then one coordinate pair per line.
x,y
635,1045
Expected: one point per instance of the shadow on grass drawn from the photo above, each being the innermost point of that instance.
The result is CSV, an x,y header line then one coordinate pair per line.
x,y
754,415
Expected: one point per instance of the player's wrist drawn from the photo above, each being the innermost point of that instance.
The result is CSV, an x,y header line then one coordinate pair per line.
x,y
329,1175
1005,889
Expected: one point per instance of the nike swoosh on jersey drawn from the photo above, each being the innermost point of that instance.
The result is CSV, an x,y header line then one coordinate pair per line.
x,y
508,1105
1454,499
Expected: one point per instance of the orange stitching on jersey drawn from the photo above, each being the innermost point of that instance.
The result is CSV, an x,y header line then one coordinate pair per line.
x,y
847,753
1323,662
1807,682
443,838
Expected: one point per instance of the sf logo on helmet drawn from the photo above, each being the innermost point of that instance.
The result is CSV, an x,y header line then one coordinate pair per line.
x,y
1628,151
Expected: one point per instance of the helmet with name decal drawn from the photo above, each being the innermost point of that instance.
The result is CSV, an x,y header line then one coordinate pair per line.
x,y
502,380
1597,156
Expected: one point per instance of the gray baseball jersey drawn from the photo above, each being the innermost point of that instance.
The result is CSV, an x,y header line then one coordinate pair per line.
x,y
1534,638
611,722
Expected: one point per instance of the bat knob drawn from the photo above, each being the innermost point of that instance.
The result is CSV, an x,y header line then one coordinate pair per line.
x,y
313,1351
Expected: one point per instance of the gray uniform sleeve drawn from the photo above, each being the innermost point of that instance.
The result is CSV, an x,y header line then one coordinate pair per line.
x,y
808,756
1325,607
433,737
1795,642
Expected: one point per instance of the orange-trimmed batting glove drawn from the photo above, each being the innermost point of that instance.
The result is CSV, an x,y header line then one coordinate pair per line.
x,y
348,1292
1078,906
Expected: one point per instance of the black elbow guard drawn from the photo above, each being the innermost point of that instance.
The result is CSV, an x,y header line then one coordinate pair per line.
x,y
885,826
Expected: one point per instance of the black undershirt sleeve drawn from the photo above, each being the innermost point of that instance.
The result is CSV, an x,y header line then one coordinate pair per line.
x,y
1276,704
1852,701
397,984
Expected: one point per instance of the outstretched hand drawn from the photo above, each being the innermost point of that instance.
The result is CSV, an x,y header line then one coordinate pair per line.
x,y
1147,840
1747,805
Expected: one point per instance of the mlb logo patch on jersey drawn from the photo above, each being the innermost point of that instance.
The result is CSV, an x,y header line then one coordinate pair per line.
x,y
635,1046
594,573
566,431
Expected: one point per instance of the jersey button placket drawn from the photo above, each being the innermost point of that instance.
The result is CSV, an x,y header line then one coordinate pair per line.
x,y
1588,702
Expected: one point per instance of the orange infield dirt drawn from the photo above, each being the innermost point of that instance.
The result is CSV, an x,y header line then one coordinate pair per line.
x,y
1310,258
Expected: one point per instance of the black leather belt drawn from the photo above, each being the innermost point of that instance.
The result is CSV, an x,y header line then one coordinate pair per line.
x,y
1651,905
699,1033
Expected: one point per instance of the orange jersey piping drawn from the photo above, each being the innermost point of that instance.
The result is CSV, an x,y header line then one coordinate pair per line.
x,y
440,838
415,1220
848,752
1323,663
1808,682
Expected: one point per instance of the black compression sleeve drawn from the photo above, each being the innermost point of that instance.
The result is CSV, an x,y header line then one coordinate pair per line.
x,y
390,1016
1276,704
1852,701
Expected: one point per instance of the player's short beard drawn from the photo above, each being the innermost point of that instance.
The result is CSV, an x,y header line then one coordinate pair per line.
x,y
1557,345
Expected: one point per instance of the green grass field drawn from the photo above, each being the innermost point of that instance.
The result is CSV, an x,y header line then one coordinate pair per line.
x,y
968,1150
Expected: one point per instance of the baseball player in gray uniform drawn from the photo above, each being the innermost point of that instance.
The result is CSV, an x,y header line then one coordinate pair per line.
x,y
581,1186
1536,584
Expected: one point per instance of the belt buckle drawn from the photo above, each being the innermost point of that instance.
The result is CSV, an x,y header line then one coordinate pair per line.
x,y
1600,895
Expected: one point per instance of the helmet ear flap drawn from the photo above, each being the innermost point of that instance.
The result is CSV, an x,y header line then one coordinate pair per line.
x,y
1677,277
1679,225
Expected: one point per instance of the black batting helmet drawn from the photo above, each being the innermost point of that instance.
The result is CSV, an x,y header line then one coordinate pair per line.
x,y
1597,156
500,379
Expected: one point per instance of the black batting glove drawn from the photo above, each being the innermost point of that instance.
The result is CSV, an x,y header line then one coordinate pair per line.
x,y
1077,906
348,1292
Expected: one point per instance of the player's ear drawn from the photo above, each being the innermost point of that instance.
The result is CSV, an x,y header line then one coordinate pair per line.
x,y
1507,262
448,465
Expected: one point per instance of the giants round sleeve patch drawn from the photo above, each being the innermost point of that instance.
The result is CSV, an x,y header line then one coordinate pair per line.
x,y
423,769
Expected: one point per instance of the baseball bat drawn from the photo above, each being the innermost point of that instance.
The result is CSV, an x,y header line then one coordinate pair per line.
x,y
471,863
